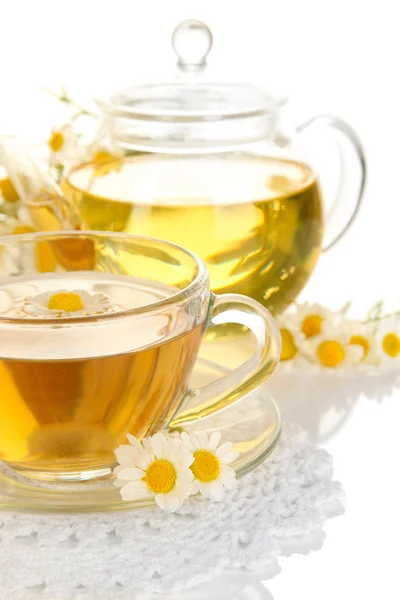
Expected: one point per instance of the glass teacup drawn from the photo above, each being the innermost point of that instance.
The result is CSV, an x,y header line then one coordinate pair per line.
x,y
99,334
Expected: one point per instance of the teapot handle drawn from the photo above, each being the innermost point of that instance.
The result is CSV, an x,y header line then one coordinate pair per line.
x,y
335,227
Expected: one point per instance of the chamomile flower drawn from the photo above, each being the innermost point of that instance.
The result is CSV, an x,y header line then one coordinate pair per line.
x,y
65,303
364,336
210,468
332,349
312,319
389,339
61,143
159,468
291,337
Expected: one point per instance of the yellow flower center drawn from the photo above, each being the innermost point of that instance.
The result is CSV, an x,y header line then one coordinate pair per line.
x,y
161,476
206,466
360,340
66,301
311,325
289,348
19,229
56,141
391,345
331,353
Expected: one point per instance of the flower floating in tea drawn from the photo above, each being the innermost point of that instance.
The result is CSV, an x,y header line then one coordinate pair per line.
x,y
170,469
314,336
210,467
65,303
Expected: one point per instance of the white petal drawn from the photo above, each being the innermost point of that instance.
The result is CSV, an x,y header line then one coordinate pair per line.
x,y
172,447
224,449
172,501
354,354
195,441
134,490
229,457
119,483
158,445
186,460
203,439
204,488
134,442
185,437
228,477
160,501
144,460
146,442
126,455
195,487
216,491
84,296
183,490
131,474
184,475
164,445
214,440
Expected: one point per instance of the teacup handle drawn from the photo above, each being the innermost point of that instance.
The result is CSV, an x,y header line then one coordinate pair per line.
x,y
235,308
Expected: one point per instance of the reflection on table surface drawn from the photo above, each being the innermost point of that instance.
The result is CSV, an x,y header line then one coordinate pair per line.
x,y
359,558
320,403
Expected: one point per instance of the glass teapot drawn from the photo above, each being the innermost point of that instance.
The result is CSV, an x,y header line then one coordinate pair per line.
x,y
211,167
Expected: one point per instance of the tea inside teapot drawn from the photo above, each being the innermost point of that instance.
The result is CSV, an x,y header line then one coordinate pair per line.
x,y
257,222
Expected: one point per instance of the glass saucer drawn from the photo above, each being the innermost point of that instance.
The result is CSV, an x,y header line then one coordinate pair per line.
x,y
252,424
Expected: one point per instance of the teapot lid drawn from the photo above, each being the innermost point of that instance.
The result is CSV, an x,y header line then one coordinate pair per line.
x,y
189,112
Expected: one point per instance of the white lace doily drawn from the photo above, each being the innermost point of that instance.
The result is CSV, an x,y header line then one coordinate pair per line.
x,y
113,555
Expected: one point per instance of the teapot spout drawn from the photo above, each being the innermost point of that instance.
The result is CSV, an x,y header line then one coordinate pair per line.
x,y
38,192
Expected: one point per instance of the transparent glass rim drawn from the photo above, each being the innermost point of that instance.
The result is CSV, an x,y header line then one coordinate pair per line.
x,y
200,279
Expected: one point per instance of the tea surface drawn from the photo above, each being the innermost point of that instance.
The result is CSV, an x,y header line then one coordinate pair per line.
x,y
256,222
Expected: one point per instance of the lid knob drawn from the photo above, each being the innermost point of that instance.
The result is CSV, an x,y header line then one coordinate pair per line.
x,y
192,41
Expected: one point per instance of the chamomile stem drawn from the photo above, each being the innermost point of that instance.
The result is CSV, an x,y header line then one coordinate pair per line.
x,y
63,97
345,309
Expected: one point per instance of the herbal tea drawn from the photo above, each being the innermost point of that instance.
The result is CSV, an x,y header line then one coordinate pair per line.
x,y
256,222
69,394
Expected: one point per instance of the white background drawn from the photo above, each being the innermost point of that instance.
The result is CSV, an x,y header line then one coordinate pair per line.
x,y
339,56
